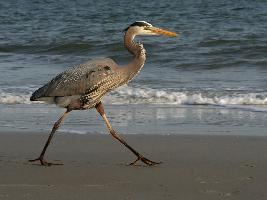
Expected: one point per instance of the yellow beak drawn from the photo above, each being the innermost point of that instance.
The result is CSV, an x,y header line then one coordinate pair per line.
x,y
162,31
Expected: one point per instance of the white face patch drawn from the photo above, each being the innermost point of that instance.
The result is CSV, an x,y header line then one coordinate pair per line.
x,y
141,28
145,31
140,24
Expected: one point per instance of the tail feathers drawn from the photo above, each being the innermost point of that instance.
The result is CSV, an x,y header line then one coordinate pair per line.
x,y
35,96
38,94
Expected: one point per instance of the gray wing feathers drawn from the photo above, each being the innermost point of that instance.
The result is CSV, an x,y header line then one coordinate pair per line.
x,y
78,80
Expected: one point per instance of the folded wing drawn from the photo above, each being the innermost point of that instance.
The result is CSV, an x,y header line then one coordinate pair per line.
x,y
79,80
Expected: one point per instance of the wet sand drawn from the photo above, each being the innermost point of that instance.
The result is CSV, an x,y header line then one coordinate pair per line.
x,y
194,167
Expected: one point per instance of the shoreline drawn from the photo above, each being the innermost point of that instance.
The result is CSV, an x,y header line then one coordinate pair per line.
x,y
194,167
196,120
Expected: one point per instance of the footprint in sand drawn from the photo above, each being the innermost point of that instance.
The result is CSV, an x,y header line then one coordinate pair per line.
x,y
249,165
248,178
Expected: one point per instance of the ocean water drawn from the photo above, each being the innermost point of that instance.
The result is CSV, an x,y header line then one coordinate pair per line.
x,y
211,79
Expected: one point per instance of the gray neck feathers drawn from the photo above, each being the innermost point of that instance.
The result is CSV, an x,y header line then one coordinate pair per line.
x,y
139,52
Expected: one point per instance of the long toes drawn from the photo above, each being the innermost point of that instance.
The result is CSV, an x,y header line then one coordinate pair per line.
x,y
42,162
149,162
146,161
45,163
33,160
133,163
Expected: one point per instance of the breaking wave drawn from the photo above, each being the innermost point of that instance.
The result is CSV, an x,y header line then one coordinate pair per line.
x,y
153,96
132,95
13,98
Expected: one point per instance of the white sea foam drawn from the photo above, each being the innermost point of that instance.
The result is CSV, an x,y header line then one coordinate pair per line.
x,y
131,95
14,98
151,96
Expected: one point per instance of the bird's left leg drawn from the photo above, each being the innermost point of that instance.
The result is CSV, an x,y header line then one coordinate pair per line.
x,y
55,127
100,108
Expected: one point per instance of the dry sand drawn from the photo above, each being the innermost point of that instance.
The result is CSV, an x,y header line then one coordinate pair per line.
x,y
194,167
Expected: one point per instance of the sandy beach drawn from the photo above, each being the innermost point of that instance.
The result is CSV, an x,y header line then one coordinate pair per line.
x,y
198,105
194,167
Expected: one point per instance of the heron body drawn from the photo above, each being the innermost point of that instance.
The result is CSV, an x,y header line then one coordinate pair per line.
x,y
84,86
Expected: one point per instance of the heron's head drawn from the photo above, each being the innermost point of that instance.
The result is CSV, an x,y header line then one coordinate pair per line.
x,y
145,28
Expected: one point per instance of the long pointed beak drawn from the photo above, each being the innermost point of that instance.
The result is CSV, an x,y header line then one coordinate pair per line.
x,y
162,31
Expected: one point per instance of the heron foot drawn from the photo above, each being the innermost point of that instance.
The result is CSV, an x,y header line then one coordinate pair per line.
x,y
45,163
145,160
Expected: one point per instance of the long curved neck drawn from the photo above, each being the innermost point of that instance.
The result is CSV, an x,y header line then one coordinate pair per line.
x,y
139,53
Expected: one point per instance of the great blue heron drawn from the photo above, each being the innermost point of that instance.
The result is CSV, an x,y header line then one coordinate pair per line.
x,y
83,86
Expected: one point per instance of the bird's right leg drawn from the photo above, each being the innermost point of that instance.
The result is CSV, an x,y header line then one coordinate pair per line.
x,y
140,157
55,127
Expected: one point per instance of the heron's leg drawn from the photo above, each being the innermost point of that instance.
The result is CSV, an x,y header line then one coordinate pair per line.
x,y
55,127
100,108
